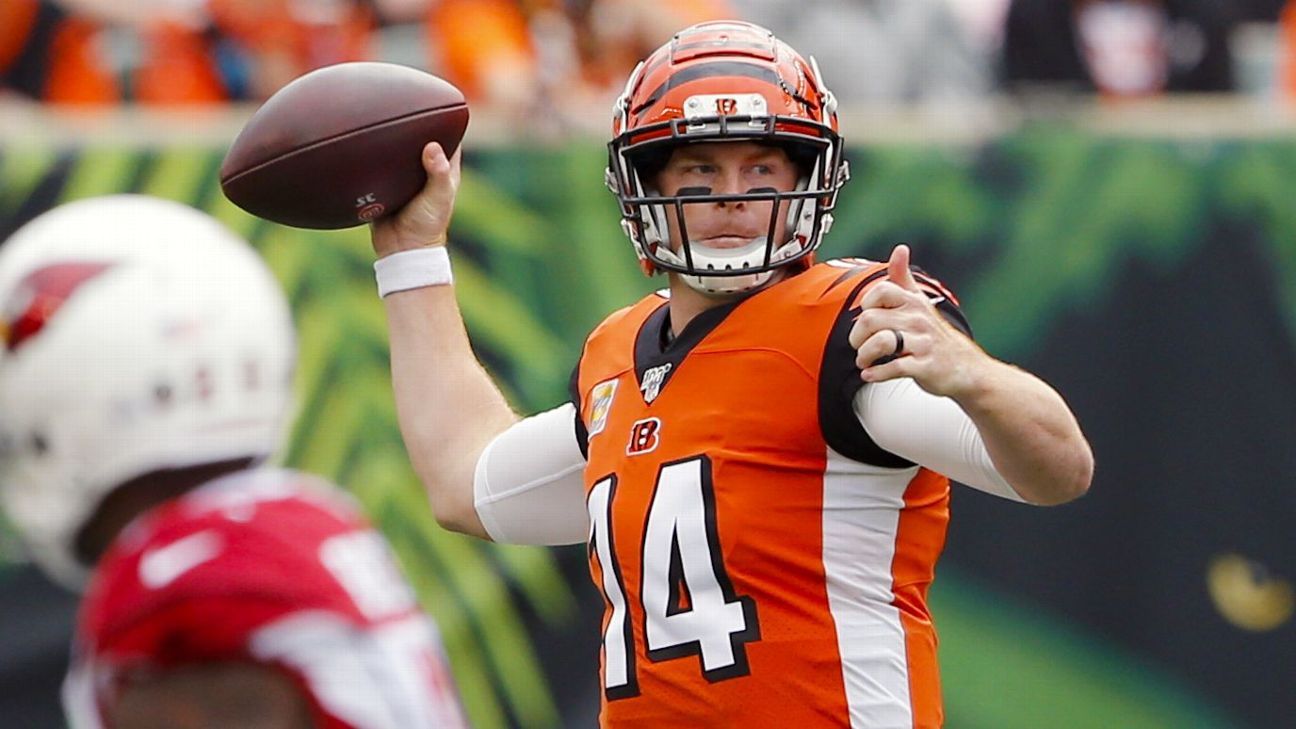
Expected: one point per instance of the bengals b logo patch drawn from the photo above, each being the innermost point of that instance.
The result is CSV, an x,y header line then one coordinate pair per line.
x,y
644,436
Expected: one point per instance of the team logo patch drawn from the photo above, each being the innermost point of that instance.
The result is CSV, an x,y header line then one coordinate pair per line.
x,y
40,295
644,436
600,406
652,381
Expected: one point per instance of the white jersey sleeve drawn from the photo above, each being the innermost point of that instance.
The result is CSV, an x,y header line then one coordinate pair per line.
x,y
529,486
931,431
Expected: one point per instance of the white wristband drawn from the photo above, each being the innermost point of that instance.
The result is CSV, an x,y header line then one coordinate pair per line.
x,y
413,269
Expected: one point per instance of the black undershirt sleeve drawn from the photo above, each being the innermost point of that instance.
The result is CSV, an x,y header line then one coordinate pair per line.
x,y
573,388
839,381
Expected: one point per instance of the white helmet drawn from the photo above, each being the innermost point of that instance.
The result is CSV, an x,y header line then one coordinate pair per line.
x,y
139,335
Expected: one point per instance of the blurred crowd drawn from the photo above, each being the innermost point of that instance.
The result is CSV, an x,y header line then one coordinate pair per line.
x,y
556,56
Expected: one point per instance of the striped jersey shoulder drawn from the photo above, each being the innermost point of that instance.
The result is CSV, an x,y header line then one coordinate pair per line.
x,y
834,277
863,270
935,290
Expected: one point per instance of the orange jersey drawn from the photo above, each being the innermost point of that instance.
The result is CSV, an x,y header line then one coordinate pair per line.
x,y
763,562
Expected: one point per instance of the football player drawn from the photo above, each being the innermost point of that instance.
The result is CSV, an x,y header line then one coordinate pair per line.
x,y
146,374
759,455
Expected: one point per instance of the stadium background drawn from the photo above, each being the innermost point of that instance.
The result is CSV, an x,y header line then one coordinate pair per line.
x,y
1143,265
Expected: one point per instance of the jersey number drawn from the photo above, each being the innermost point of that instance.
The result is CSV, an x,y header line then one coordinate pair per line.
x,y
688,603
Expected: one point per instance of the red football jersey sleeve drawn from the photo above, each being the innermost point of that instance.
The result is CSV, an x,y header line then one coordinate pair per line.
x,y
271,567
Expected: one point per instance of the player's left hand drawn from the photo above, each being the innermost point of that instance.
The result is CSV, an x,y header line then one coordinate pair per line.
x,y
939,357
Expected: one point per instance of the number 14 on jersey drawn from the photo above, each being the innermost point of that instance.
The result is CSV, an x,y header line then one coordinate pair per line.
x,y
687,602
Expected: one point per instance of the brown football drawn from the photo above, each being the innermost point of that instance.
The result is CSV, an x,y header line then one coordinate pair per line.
x,y
340,146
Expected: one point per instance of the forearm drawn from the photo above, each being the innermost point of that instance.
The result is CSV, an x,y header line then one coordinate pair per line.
x,y
1029,432
448,406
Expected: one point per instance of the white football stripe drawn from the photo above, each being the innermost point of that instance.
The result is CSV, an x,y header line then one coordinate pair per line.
x,y
861,513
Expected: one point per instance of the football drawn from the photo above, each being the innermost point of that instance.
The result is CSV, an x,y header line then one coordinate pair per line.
x,y
341,146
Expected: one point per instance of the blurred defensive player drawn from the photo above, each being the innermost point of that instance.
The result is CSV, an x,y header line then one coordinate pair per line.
x,y
146,374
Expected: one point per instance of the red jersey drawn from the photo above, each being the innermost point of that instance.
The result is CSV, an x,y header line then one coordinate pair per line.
x,y
763,562
270,567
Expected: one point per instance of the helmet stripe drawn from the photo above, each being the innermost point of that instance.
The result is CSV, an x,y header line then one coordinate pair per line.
x,y
710,70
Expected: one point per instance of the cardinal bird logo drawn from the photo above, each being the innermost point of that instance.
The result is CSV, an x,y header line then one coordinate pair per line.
x,y
39,296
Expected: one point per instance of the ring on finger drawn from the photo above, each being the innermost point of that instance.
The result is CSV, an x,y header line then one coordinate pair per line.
x,y
899,348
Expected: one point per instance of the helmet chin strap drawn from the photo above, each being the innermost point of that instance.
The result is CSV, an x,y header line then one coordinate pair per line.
x,y
727,285
749,255
707,258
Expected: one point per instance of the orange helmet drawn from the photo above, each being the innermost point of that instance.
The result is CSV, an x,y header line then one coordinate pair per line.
x,y
725,81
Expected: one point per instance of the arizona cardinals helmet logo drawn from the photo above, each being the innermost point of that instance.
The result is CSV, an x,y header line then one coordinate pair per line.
x,y
40,295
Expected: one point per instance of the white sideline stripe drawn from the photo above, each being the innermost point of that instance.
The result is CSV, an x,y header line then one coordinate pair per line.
x,y
861,514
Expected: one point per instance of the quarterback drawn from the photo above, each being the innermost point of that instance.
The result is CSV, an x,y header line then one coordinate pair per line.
x,y
146,371
758,456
